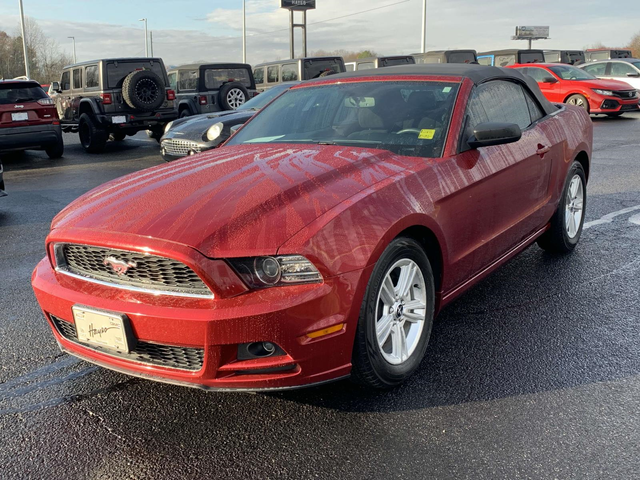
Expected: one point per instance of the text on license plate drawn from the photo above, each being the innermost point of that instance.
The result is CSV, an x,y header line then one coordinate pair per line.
x,y
19,117
100,328
119,119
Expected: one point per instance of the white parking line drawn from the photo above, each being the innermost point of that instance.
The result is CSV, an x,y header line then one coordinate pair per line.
x,y
608,218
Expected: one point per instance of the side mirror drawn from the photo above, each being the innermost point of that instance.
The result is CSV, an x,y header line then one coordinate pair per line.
x,y
235,128
549,80
634,75
489,134
55,86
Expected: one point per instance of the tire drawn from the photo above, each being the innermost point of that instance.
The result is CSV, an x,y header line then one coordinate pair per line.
x,y
376,363
155,133
233,95
143,90
56,151
185,113
562,236
614,115
118,136
92,137
579,101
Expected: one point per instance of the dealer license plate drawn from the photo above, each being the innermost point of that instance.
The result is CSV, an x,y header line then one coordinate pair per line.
x,y
19,117
101,328
119,119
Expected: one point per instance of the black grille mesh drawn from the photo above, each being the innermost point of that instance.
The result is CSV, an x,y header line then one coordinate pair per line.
x,y
145,271
625,93
162,355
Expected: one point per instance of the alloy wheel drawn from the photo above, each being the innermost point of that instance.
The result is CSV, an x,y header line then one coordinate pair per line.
x,y
574,206
235,98
401,311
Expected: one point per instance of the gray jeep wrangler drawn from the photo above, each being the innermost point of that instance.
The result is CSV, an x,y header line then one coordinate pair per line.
x,y
114,97
214,87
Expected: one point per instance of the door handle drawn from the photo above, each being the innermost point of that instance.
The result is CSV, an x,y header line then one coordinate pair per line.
x,y
542,150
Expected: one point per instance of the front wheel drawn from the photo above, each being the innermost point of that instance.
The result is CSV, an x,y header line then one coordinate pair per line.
x,y
396,316
566,224
579,101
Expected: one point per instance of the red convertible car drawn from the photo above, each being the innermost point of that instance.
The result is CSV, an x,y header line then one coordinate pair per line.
x,y
572,85
323,238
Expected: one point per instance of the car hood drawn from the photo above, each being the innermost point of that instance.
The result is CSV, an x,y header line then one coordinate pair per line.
x,y
201,123
236,201
607,84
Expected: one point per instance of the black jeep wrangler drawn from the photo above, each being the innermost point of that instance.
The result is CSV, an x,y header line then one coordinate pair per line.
x,y
115,97
208,88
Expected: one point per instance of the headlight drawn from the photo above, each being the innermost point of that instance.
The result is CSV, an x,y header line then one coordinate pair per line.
x,y
214,132
606,93
168,127
264,272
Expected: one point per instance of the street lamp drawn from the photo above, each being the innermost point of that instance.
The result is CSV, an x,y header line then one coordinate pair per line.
x,y
24,42
146,37
75,60
424,26
244,31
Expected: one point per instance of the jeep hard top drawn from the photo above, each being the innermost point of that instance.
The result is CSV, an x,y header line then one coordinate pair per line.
x,y
117,97
211,87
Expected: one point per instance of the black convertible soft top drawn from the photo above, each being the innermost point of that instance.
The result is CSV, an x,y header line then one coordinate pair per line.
x,y
478,74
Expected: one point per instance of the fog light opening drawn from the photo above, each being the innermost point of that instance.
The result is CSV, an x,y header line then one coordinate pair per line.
x,y
261,349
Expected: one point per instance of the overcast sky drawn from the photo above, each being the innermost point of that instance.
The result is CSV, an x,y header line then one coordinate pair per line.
x,y
192,30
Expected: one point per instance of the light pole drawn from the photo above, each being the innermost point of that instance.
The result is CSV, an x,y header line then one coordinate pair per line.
x,y
424,26
75,60
244,31
146,37
24,42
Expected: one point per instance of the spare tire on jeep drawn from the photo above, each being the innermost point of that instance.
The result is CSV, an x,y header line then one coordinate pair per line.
x,y
143,90
232,95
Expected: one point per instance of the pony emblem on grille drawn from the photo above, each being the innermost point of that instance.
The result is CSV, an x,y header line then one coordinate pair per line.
x,y
119,266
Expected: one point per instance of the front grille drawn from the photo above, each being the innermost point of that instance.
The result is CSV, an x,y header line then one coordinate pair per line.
x,y
182,358
179,148
137,271
629,108
625,93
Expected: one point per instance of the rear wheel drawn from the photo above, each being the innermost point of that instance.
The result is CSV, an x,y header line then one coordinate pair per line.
x,y
92,137
396,316
579,101
185,113
56,151
566,224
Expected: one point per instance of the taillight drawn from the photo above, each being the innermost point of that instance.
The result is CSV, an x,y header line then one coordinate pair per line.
x,y
106,98
203,100
46,101
171,95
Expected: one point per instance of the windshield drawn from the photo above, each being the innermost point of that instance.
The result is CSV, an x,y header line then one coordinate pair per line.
x,y
322,68
15,93
567,72
408,118
256,103
635,64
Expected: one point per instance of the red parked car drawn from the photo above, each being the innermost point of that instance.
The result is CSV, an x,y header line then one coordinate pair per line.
x,y
572,85
323,238
28,119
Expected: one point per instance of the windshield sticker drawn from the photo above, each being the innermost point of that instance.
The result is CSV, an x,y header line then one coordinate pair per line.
x,y
426,134
446,89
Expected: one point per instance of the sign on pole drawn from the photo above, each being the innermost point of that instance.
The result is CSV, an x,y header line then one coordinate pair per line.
x,y
536,33
298,4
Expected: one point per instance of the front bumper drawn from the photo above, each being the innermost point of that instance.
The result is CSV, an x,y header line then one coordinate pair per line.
x,y
173,147
29,137
601,104
218,326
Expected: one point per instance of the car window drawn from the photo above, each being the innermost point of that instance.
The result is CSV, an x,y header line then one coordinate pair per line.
x,y
187,80
498,101
621,54
273,74
117,71
552,57
620,69
531,57
258,75
322,67
604,55
569,72
65,81
77,78
215,78
636,64
461,57
93,77
485,60
173,80
391,62
290,72
535,111
538,74
366,65
14,92
407,118
597,69
504,60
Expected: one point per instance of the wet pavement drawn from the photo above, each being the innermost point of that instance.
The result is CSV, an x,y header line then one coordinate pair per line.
x,y
534,373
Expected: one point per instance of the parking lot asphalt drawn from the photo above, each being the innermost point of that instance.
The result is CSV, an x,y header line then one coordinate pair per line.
x,y
534,373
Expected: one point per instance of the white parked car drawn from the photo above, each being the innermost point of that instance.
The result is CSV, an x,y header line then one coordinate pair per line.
x,y
624,69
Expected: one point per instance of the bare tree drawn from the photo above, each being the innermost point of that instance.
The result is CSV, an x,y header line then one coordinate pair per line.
x,y
634,45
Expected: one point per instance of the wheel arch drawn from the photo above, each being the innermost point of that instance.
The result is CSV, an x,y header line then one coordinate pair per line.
x,y
431,245
583,159
185,105
87,106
